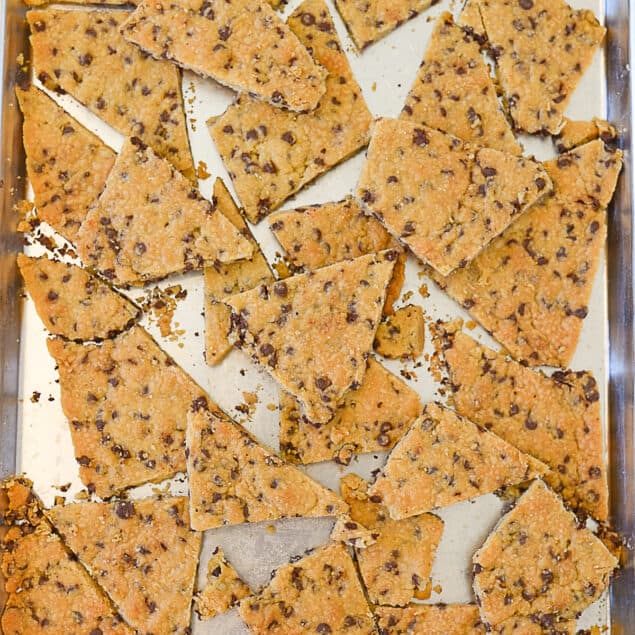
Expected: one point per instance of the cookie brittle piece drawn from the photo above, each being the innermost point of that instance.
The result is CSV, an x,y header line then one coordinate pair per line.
x,y
313,332
66,163
242,44
126,402
444,459
430,619
401,336
540,563
397,566
150,222
234,479
454,92
370,418
542,48
319,593
577,133
531,286
270,153
547,625
444,198
224,588
142,552
73,303
223,280
83,53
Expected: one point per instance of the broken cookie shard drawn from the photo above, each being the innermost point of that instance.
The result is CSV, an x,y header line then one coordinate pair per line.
x,y
401,335
530,288
313,332
370,418
270,153
233,479
319,593
73,303
66,163
577,133
149,222
126,402
83,53
442,197
540,563
143,554
444,459
430,619
454,92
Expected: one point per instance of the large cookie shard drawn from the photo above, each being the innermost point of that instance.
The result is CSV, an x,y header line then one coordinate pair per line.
x,y
233,479
313,332
445,459
556,419
223,280
454,92
270,153
397,566
47,590
143,553
531,287
542,48
73,303
319,593
430,619
83,53
126,402
540,563
370,418
66,163
149,222
444,198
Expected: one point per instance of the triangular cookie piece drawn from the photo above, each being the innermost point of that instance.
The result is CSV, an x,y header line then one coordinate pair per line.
x,y
531,287
270,153
242,44
143,553
556,419
445,459
542,48
313,332
73,303
233,479
319,593
370,418
397,566
430,619
540,562
47,591
454,92
223,280
126,402
444,198
149,222
83,53
66,163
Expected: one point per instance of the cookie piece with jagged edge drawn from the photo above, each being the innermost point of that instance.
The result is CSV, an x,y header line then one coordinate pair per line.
x,y
430,619
401,335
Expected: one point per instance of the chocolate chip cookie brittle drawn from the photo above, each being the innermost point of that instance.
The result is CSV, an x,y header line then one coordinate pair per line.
x,y
430,619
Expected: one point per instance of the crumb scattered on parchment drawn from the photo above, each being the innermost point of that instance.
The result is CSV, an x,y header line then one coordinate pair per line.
x,y
59,500
27,216
271,529
408,374
374,86
35,397
162,489
470,325
423,291
407,295
248,406
438,589
159,305
63,488
272,406
202,171
82,495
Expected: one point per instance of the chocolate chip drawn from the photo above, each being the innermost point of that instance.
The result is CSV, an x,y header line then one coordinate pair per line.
x,y
125,509
540,184
308,19
139,249
419,137
526,4
323,628
280,289
323,383
52,296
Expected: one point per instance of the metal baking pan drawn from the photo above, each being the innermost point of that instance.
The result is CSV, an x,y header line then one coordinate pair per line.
x,y
34,436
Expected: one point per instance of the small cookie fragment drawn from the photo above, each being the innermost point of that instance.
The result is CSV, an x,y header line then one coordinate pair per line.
x,y
470,19
577,133
430,619
73,303
319,593
83,53
242,44
370,418
233,479
270,153
401,336
444,459
143,553
454,92
149,222
313,332
397,566
224,588
540,563
444,198
546,626
223,280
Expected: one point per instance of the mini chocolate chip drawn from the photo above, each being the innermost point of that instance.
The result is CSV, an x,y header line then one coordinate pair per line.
x,y
125,509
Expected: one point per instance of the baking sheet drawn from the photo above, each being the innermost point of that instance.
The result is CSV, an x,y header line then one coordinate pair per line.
x,y
385,72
